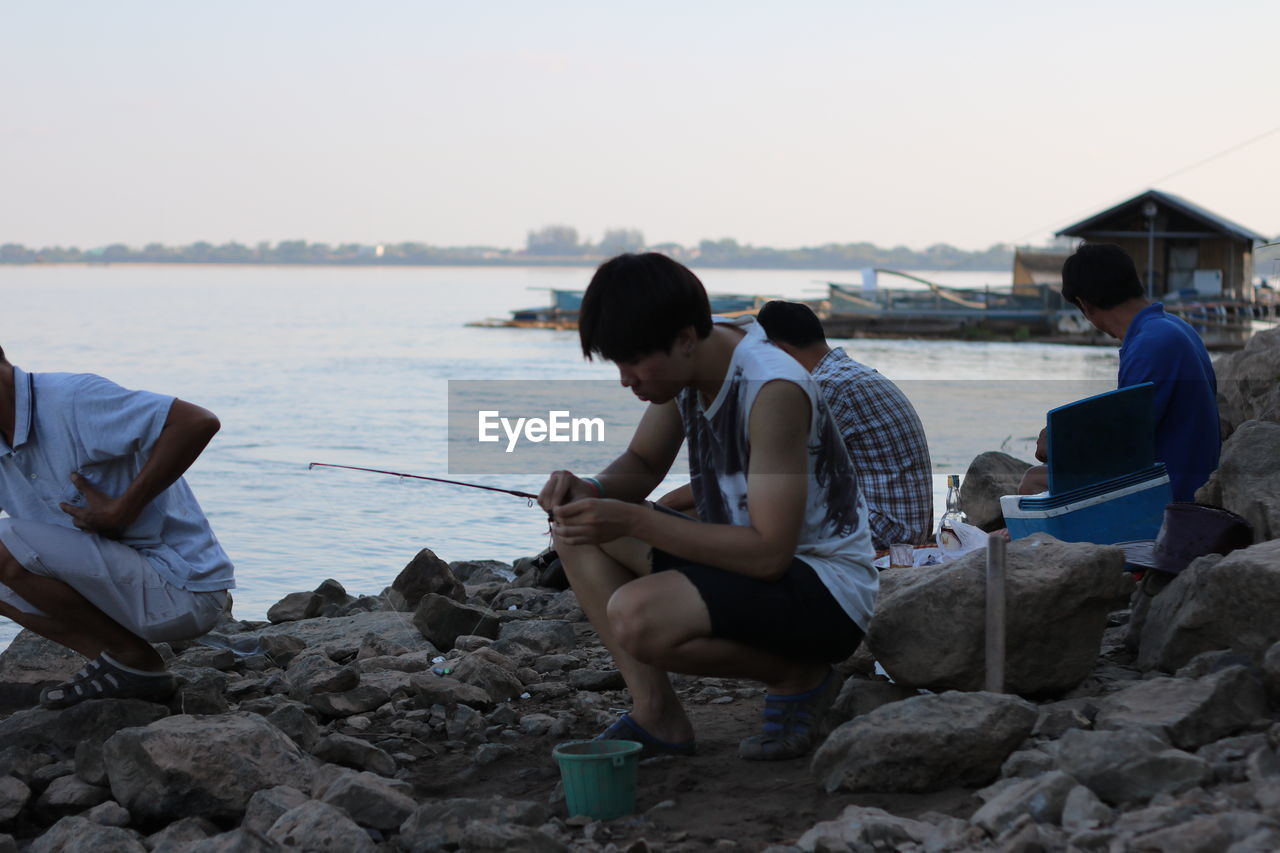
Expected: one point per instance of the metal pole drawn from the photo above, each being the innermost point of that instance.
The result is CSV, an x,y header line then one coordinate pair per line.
x,y
995,613
1151,257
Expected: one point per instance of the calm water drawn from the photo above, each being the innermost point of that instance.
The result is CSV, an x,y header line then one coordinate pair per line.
x,y
352,366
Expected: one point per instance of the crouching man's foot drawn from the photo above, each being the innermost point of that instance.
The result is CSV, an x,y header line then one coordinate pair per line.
x,y
793,722
106,678
626,728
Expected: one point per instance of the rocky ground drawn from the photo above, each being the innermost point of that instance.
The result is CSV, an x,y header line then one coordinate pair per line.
x,y
423,718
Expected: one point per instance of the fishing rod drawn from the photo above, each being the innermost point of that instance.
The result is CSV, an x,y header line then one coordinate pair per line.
x,y
530,497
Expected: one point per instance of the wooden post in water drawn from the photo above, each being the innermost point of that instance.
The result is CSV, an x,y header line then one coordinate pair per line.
x,y
995,613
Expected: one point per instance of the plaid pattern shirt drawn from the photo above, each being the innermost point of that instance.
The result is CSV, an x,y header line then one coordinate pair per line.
x,y
886,442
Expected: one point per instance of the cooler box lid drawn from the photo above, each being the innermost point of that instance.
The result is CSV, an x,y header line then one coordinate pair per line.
x,y
1101,438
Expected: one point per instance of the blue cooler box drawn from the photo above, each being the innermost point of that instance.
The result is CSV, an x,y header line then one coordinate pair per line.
x,y
1117,510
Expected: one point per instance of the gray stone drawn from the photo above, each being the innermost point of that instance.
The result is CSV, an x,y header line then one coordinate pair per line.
x,y
990,476
355,753
1216,603
1084,811
372,646
266,806
69,795
177,835
1128,766
1189,713
1207,663
326,600
442,620
481,571
7,844
1025,763
210,766
14,795
1207,834
484,669
357,700
435,825
75,834
426,574
314,673
596,680
1249,382
1040,797
30,664
862,828
293,719
1059,717
341,632
929,625
862,696
431,689
369,799
109,813
62,731
319,827
201,691
544,636
925,743
235,841
1271,674
204,657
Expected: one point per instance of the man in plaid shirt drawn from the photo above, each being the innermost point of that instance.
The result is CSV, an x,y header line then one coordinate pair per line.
x,y
881,429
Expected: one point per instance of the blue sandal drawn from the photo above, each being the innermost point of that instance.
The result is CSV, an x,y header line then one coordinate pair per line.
x,y
793,723
103,678
625,728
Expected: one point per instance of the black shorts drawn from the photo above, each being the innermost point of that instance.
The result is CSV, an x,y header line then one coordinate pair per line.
x,y
794,616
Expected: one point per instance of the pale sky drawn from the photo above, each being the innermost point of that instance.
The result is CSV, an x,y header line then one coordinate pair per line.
x,y
783,124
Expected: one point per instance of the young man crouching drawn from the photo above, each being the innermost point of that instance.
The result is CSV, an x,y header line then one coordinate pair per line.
x,y
774,582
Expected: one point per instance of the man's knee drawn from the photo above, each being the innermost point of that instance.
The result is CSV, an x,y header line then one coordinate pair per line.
x,y
640,617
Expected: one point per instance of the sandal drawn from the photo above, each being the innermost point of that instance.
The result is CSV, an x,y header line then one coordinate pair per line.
x,y
104,678
793,723
626,728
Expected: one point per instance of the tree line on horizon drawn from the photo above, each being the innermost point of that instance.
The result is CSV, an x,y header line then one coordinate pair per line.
x,y
549,245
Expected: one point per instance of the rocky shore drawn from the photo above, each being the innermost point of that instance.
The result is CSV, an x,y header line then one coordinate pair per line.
x,y
422,718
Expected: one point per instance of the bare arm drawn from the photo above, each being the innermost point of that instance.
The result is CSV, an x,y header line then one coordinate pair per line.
x,y
680,499
634,474
187,430
777,486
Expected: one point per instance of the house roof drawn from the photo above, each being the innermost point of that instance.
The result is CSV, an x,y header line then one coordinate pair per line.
x,y
1210,219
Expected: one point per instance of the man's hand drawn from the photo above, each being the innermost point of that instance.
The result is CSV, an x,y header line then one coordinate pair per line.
x,y
1042,445
101,514
564,487
594,521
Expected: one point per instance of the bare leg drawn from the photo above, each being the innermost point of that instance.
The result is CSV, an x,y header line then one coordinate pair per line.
x,y
71,620
656,624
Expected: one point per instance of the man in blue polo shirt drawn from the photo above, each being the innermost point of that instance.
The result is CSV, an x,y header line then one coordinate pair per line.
x,y
1102,281
105,549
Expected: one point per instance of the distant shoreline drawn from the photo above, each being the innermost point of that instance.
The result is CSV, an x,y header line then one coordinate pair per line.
x,y
583,263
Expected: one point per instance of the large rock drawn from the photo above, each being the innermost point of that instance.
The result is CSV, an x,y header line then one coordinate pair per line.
x,y
1249,382
14,794
1247,481
925,743
209,766
319,828
442,620
326,600
89,722
1128,766
425,574
1215,603
929,625
990,476
545,636
865,828
30,664
369,799
1188,712
1041,797
76,834
345,632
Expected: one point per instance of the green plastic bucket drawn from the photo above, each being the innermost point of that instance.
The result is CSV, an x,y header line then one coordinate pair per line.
x,y
599,777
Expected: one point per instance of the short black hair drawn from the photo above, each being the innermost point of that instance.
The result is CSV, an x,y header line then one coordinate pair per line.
x,y
791,323
1102,274
2,358
637,304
